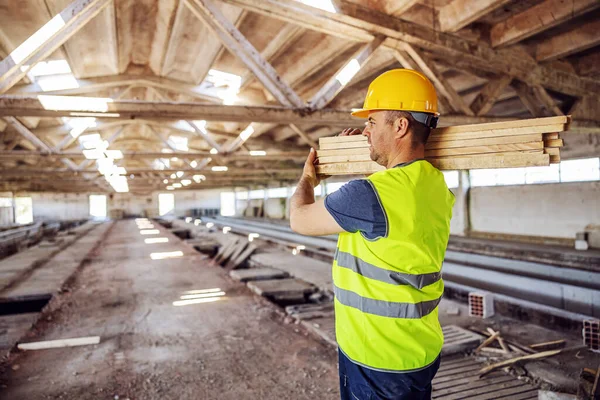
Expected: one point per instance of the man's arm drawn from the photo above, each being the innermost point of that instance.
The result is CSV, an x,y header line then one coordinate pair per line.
x,y
307,216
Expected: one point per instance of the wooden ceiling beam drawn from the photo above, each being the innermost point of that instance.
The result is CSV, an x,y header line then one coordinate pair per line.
x,y
56,106
366,21
334,86
538,18
443,87
489,94
127,155
459,13
238,45
536,100
574,41
47,39
92,85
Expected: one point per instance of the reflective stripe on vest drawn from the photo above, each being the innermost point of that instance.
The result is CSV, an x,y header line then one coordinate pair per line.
x,y
347,260
385,308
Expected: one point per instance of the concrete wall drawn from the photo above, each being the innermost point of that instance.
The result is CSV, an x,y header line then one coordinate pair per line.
x,y
187,200
59,206
549,210
552,210
6,216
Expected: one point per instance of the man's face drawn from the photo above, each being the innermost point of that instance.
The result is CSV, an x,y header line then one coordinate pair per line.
x,y
380,136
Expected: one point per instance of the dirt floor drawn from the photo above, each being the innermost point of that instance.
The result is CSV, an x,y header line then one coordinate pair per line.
x,y
232,348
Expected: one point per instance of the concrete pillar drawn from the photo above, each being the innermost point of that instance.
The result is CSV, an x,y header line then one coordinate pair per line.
x,y
461,221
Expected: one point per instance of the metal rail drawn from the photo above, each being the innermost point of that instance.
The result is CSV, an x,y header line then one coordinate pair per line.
x,y
562,291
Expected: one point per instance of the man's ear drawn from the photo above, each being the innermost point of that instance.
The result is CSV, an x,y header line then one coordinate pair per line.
x,y
401,127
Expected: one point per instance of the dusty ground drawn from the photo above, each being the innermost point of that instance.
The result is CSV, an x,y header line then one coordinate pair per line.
x,y
233,348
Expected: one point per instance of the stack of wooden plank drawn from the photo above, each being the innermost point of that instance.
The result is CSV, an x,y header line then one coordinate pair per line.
x,y
520,143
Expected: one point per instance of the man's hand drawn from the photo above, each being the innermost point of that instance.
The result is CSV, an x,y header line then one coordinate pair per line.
x,y
350,132
310,172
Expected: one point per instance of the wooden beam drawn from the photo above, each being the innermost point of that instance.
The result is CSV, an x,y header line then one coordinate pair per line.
x,y
574,41
91,85
284,38
479,56
119,111
460,13
238,45
26,133
443,87
150,155
588,65
536,100
304,136
334,86
538,18
399,7
47,39
489,94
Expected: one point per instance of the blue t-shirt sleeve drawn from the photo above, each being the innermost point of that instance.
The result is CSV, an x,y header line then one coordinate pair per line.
x,y
356,207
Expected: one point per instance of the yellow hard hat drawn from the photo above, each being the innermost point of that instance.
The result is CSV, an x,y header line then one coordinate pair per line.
x,y
402,90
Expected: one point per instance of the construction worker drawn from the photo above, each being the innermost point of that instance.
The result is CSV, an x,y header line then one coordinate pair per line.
x,y
393,230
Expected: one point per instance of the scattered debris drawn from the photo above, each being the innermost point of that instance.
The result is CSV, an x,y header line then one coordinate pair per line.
x,y
52,344
487,341
556,344
505,363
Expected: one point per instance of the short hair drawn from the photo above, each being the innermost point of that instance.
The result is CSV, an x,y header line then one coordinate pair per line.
x,y
420,131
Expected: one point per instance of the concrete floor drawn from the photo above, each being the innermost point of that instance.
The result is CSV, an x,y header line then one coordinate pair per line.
x,y
233,348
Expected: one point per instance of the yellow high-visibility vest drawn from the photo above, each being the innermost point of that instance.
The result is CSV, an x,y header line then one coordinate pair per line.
x,y
387,290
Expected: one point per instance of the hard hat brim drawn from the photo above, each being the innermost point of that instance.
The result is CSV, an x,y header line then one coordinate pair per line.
x,y
364,112
361,113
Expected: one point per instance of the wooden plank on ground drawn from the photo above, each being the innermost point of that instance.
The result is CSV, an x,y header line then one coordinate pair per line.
x,y
505,363
52,344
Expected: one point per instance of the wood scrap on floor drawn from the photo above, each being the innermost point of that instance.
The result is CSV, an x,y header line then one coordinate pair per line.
x,y
506,363
556,344
520,143
53,344
240,258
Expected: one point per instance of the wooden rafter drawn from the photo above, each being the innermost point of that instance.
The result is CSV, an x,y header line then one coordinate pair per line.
x,y
443,87
334,86
354,20
150,155
489,94
538,18
536,100
57,106
574,41
237,44
91,85
460,13
47,39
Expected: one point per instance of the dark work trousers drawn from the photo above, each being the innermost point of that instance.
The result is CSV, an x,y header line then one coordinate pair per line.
x,y
361,383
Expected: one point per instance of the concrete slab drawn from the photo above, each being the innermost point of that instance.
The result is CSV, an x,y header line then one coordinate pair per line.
x,y
281,287
257,274
156,345
14,327
308,269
